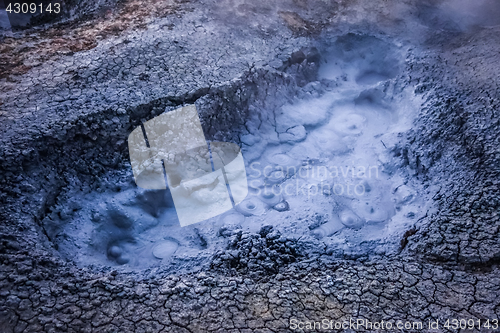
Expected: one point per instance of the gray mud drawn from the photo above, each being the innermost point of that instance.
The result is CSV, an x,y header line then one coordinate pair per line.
x,y
408,88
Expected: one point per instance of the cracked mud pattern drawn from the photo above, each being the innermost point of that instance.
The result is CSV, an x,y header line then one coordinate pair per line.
x,y
65,121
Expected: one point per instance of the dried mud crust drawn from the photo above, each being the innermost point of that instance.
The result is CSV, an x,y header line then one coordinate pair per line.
x,y
41,296
447,269
79,31
455,147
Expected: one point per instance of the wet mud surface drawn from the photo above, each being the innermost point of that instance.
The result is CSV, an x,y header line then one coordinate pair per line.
x,y
409,89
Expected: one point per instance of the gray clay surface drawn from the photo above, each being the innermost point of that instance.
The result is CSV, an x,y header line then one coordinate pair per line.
x,y
396,103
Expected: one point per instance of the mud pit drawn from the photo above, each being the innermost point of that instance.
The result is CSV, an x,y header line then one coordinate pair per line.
x,y
320,165
369,154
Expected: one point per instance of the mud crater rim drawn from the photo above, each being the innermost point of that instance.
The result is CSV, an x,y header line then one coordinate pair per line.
x,y
322,228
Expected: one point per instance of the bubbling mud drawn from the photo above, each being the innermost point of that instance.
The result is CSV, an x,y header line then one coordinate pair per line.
x,y
320,168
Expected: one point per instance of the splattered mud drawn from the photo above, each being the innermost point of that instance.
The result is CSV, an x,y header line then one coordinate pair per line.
x,y
370,135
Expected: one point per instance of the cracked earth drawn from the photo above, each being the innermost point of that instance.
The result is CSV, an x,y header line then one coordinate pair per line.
x,y
72,91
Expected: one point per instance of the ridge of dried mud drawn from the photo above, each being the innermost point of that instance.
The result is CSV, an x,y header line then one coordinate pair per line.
x,y
448,265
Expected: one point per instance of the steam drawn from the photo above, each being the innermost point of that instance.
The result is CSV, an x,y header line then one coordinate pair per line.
x,y
460,15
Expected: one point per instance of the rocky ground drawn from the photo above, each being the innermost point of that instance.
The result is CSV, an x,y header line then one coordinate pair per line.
x,y
72,91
